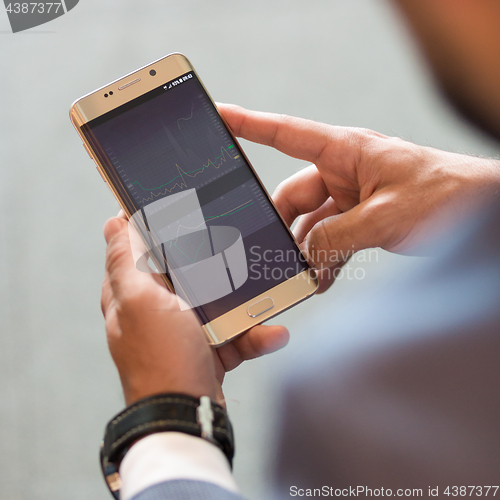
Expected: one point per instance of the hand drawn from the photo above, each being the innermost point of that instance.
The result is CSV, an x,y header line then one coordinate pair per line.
x,y
364,189
157,347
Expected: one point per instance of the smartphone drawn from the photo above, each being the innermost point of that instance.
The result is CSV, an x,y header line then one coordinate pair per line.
x,y
207,222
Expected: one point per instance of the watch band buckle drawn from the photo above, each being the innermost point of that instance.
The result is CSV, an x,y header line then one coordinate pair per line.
x,y
205,418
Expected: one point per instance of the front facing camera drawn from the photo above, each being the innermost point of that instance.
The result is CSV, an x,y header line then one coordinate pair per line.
x,y
152,72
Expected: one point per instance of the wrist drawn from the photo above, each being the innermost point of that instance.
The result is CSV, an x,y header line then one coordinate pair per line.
x,y
489,174
137,388
480,181
462,182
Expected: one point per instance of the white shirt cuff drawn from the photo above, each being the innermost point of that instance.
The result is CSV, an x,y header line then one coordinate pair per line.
x,y
173,455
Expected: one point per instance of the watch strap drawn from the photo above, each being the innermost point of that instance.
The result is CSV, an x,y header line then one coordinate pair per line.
x,y
160,413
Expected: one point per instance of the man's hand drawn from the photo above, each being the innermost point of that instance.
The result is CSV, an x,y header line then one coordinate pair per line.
x,y
157,347
364,189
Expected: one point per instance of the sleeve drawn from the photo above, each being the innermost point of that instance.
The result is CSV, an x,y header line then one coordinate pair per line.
x,y
186,489
176,465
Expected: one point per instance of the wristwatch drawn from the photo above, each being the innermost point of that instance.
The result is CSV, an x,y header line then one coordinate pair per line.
x,y
160,413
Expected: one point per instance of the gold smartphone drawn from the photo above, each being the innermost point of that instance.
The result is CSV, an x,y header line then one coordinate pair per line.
x,y
179,174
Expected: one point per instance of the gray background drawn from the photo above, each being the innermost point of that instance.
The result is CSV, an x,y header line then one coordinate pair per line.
x,y
346,62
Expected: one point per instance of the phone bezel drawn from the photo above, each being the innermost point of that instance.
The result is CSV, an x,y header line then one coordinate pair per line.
x,y
238,320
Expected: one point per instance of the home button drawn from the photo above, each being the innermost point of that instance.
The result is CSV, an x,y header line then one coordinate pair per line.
x,y
260,307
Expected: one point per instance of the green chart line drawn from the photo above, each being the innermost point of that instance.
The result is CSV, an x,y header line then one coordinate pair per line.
x,y
229,213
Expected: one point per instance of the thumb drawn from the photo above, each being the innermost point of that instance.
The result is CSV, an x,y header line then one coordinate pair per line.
x,y
112,227
336,238
122,274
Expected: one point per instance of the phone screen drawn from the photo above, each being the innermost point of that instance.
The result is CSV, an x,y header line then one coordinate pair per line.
x,y
171,142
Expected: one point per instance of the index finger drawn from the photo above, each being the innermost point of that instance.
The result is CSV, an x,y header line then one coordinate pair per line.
x,y
297,137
